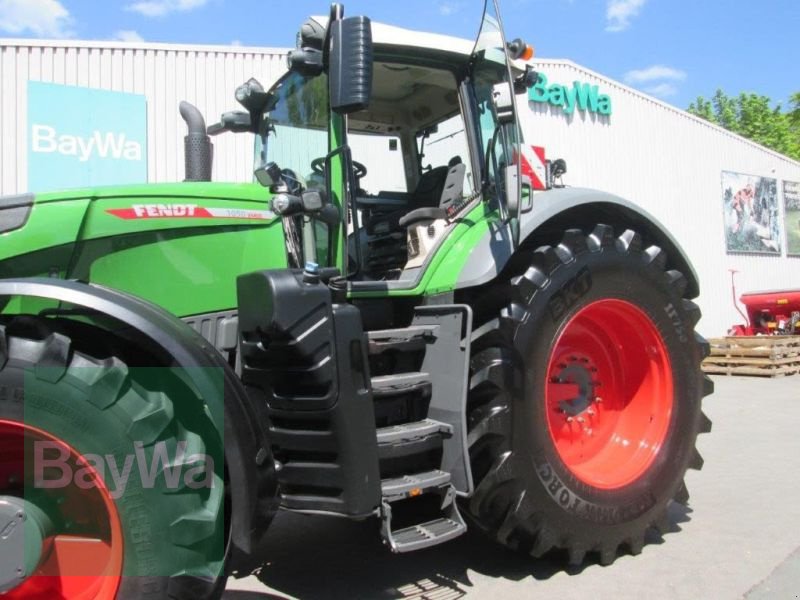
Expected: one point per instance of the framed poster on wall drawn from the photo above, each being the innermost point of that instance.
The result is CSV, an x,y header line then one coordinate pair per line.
x,y
791,210
751,217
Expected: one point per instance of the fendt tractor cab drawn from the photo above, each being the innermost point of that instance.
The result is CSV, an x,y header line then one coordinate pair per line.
x,y
389,324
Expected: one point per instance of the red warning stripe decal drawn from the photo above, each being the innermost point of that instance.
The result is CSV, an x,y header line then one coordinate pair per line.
x,y
188,211
533,166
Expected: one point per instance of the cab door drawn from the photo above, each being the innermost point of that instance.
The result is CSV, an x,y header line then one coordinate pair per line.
x,y
496,119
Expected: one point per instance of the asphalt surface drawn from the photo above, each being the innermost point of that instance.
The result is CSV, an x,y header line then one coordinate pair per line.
x,y
740,538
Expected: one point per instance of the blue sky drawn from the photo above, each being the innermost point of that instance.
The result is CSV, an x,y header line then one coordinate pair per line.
x,y
673,49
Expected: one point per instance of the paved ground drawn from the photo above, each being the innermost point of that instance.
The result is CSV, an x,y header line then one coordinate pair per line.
x,y
739,539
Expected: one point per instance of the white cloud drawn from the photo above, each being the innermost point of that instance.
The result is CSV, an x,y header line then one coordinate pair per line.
x,y
449,8
654,73
620,12
656,80
160,8
662,90
128,35
236,43
43,18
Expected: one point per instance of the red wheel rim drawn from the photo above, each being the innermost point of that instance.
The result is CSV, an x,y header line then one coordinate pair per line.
x,y
84,553
609,393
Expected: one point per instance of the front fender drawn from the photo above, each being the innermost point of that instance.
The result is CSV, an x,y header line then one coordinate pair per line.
x,y
566,208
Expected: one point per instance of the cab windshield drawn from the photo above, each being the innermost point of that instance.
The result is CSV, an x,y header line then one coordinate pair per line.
x,y
298,129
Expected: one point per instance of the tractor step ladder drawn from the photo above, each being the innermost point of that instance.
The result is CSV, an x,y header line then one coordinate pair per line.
x,y
403,340
410,431
431,532
400,383
408,439
418,493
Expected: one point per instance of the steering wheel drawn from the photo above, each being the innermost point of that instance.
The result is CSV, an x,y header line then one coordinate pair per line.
x,y
359,170
318,166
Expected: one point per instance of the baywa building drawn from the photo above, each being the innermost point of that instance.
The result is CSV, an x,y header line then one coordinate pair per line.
x,y
78,114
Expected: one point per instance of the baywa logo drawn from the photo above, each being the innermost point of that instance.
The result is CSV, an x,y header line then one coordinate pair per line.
x,y
108,144
173,471
581,95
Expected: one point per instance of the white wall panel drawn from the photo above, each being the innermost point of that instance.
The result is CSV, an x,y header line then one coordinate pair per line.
x,y
165,74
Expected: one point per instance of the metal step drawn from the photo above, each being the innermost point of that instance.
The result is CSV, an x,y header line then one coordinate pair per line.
x,y
427,534
430,532
412,431
409,339
408,486
400,383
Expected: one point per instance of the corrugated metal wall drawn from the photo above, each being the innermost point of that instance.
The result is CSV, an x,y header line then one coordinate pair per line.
x,y
165,74
660,157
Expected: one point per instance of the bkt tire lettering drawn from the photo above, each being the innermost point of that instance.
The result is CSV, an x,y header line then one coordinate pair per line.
x,y
571,502
568,295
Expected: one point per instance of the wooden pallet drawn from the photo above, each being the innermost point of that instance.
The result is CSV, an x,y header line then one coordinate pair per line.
x,y
761,356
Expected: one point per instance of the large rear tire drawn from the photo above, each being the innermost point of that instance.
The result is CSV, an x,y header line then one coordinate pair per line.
x,y
585,399
163,536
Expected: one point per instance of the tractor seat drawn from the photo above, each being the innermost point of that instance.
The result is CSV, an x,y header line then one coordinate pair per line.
x,y
386,232
433,190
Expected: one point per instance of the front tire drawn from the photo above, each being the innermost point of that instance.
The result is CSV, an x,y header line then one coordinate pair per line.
x,y
93,418
585,399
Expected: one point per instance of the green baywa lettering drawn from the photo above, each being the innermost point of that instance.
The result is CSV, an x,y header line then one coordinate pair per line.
x,y
539,91
587,96
571,95
557,94
604,104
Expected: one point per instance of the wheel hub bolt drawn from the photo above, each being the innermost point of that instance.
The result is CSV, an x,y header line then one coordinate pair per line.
x,y
23,530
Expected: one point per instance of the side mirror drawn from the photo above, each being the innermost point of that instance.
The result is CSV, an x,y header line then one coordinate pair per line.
x,y
511,175
526,196
503,103
513,192
350,64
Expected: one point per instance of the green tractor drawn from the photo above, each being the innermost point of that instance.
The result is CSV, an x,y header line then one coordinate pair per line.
x,y
381,327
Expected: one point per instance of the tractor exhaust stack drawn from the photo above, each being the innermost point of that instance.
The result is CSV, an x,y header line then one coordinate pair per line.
x,y
198,150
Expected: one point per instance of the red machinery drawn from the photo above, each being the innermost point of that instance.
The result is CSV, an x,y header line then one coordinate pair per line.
x,y
768,313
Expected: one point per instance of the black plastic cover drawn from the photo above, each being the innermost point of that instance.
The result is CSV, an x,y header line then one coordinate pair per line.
x,y
307,357
350,64
287,339
14,211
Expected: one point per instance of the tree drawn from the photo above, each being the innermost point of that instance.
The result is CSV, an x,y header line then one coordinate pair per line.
x,y
751,115
794,113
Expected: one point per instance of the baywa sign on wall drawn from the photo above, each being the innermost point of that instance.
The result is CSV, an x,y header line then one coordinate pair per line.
x,y
82,137
580,95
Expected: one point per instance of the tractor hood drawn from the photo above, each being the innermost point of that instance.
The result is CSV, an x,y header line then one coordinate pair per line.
x,y
179,245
